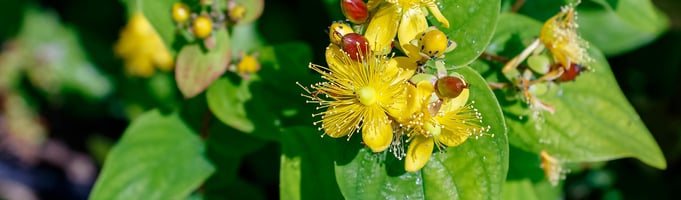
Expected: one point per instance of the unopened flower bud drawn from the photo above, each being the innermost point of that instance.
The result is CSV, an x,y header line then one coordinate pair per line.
x,y
355,10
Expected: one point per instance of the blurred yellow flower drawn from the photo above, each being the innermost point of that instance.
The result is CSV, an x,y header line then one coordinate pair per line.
x,y
445,124
142,48
248,64
559,35
404,18
356,96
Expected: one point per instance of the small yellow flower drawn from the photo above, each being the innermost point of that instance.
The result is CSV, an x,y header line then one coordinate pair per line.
x,y
404,18
356,96
142,48
553,170
559,35
445,123
248,64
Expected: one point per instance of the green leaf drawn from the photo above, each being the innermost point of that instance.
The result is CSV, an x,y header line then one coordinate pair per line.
x,y
226,100
472,25
53,58
307,165
158,157
526,167
226,149
246,104
283,66
593,120
474,170
159,14
519,190
230,142
198,67
616,29
525,189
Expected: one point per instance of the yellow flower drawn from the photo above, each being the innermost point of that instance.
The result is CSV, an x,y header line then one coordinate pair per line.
x,y
356,95
553,170
445,123
248,64
404,18
559,35
142,48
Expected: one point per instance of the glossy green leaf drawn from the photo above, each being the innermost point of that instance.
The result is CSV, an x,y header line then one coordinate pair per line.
x,y
618,28
158,12
474,170
593,120
158,157
197,67
519,190
472,25
307,165
526,167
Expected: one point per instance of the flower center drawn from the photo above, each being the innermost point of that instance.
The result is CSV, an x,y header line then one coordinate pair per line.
x,y
432,129
367,95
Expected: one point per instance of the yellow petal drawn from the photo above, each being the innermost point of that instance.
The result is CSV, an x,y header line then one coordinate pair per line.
x,y
139,66
452,104
424,90
372,4
401,67
377,132
382,29
337,60
163,60
412,24
419,152
452,138
412,51
401,109
414,100
438,15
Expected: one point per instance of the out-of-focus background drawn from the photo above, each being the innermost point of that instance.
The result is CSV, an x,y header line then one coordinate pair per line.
x,y
65,99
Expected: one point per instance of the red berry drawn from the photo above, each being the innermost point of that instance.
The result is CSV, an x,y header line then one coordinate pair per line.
x,y
571,73
450,87
355,45
355,10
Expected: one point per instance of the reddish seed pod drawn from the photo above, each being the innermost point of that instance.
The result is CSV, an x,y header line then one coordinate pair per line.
x,y
355,10
450,87
572,73
355,45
